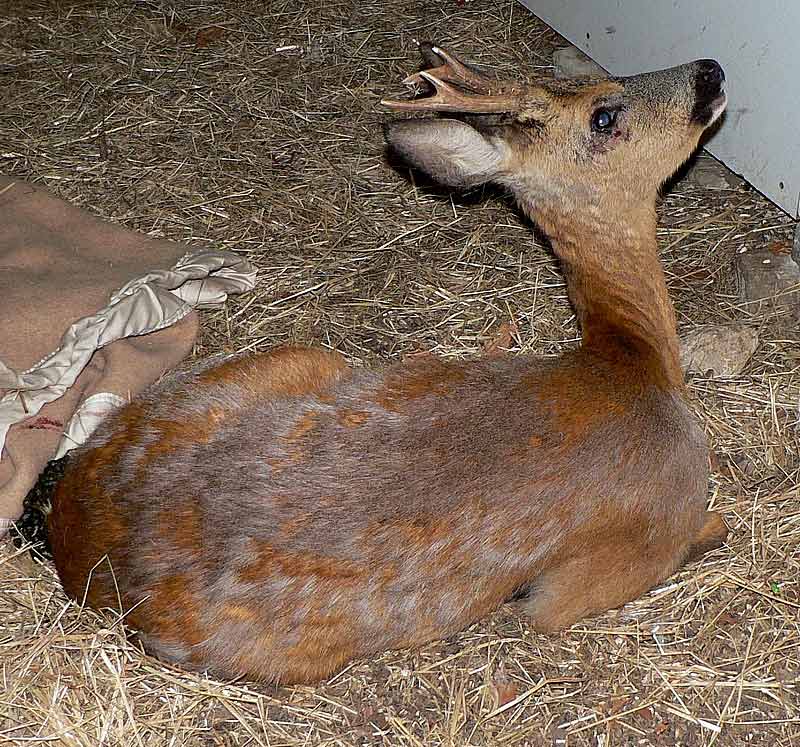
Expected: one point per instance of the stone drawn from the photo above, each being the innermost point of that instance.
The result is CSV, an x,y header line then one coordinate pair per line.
x,y
721,349
570,62
708,172
770,276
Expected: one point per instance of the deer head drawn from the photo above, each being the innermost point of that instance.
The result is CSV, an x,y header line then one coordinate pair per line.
x,y
553,143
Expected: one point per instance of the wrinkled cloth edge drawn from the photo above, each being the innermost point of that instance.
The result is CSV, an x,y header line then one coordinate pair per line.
x,y
154,301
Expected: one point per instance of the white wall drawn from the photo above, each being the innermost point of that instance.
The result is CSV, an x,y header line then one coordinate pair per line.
x,y
756,41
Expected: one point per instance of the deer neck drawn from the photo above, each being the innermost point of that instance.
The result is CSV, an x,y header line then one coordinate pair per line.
x,y
616,284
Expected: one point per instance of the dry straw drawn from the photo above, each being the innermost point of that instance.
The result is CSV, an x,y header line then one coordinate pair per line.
x,y
255,126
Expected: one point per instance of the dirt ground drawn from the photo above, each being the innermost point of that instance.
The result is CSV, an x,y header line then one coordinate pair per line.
x,y
255,126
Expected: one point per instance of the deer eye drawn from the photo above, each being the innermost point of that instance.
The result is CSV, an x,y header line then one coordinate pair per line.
x,y
603,119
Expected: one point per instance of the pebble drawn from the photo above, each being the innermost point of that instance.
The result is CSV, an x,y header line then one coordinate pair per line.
x,y
570,62
710,173
769,276
722,350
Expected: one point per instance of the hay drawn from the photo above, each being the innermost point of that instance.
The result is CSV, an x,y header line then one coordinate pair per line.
x,y
255,126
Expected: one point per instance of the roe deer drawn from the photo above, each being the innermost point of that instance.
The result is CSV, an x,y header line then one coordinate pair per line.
x,y
276,516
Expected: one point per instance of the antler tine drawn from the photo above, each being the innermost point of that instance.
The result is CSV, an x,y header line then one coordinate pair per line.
x,y
471,92
450,99
454,71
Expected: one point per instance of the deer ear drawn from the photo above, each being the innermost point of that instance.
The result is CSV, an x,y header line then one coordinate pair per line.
x,y
450,151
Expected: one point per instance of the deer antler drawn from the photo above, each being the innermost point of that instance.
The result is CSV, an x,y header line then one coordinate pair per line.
x,y
471,92
452,71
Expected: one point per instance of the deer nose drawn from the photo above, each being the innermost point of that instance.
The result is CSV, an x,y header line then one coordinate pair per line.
x,y
710,75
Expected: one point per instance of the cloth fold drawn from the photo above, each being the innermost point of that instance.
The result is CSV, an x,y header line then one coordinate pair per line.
x,y
90,314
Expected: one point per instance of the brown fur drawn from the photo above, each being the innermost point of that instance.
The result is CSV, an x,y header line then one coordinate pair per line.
x,y
275,516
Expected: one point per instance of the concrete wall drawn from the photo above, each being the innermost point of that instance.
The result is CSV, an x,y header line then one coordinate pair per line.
x,y
756,41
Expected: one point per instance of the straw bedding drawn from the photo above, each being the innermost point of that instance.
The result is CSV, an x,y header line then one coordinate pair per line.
x,y
254,126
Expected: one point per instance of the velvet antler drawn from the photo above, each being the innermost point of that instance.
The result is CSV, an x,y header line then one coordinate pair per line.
x,y
457,88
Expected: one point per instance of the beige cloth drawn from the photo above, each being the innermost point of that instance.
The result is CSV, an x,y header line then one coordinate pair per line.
x,y
87,319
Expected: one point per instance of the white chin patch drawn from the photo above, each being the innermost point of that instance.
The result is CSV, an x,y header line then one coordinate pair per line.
x,y
717,107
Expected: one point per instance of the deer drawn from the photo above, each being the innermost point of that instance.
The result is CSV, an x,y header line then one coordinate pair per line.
x,y
275,516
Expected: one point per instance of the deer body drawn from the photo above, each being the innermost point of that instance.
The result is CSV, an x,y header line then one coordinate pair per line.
x,y
278,515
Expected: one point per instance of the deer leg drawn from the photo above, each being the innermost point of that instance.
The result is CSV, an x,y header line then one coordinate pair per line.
x,y
604,579
711,535
609,576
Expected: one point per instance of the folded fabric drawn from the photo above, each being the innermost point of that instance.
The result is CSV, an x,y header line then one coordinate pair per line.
x,y
90,314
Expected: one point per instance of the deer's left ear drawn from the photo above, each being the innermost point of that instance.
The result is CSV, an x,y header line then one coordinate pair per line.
x,y
450,151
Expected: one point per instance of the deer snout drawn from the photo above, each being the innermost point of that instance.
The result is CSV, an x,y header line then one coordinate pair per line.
x,y
710,97
709,79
